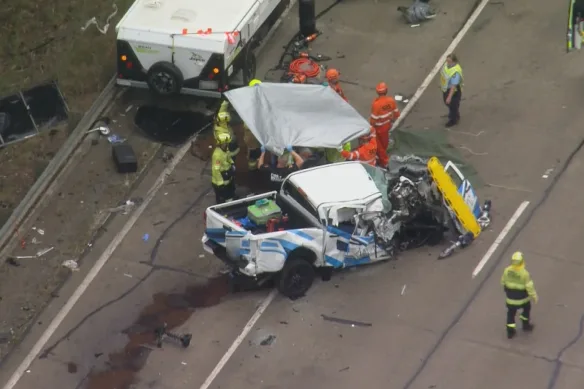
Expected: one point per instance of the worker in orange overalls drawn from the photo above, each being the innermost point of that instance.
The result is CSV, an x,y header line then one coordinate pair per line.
x,y
367,150
332,76
383,111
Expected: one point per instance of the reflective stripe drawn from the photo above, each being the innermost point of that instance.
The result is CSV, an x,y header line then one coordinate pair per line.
x,y
518,302
371,162
523,318
511,325
382,123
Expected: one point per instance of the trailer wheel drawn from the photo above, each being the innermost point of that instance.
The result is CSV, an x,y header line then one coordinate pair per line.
x,y
164,78
296,278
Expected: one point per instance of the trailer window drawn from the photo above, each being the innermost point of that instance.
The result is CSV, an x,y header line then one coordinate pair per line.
x,y
293,192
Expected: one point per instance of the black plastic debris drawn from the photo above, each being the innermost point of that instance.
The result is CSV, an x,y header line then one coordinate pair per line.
x,y
171,128
268,340
352,323
26,113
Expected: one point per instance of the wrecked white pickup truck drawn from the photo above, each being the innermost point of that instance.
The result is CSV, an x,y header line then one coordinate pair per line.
x,y
338,216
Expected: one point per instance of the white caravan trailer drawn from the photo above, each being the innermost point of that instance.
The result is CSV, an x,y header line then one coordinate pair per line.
x,y
194,47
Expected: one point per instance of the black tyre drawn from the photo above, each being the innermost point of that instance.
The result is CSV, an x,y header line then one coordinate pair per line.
x,y
164,78
296,278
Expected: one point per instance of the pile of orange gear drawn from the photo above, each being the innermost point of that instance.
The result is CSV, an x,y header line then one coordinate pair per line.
x,y
302,68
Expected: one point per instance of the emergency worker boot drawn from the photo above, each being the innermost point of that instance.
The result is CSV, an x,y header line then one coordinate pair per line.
x,y
511,332
527,326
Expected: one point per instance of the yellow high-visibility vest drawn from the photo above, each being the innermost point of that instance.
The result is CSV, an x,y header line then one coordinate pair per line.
x,y
447,73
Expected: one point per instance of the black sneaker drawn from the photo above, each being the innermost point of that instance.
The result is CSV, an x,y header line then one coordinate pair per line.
x,y
450,124
528,327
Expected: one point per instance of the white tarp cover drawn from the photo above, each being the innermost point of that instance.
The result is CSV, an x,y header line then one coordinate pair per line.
x,y
297,115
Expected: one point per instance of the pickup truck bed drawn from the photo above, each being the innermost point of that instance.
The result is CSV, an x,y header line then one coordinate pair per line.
x,y
236,213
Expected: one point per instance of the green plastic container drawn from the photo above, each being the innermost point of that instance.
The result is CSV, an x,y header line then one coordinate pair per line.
x,y
262,211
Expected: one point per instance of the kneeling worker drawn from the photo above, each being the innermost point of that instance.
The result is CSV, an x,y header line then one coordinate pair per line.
x,y
286,164
223,170
222,126
367,150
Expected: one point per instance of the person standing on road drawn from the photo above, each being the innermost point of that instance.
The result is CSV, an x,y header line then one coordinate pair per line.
x,y
222,126
451,83
519,290
332,77
383,111
223,170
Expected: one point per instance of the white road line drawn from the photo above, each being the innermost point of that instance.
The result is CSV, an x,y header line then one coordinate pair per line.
x,y
105,256
500,238
229,353
414,99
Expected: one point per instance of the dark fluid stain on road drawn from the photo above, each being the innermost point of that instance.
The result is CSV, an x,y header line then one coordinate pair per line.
x,y
72,367
174,310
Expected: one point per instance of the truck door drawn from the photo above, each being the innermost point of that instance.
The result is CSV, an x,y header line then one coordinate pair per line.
x,y
344,247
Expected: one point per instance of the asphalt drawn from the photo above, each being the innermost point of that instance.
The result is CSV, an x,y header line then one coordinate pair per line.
x,y
418,323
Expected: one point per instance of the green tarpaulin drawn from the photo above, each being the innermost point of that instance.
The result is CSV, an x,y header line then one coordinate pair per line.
x,y
426,144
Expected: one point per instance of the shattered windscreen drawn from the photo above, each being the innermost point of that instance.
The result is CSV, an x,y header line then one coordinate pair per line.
x,y
380,179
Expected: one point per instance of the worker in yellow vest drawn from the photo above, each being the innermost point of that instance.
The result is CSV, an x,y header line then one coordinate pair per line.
x,y
519,291
451,83
223,170
222,126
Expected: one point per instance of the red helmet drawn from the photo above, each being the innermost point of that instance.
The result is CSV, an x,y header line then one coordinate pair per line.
x,y
332,75
381,88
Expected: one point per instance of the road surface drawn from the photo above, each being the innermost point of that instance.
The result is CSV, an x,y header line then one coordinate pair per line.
x,y
420,323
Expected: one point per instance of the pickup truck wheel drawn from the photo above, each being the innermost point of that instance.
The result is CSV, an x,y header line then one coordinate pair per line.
x,y
296,278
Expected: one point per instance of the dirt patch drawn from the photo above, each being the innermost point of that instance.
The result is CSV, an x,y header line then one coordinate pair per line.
x,y
170,309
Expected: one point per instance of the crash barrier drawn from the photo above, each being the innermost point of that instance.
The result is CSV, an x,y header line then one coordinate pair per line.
x,y
451,196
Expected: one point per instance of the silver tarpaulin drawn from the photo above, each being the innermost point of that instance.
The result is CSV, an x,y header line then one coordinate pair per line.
x,y
297,115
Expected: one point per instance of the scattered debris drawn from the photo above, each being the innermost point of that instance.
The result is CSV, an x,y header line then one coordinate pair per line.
x,y
129,108
268,340
5,337
145,237
71,264
12,259
93,21
183,363
352,323
161,333
35,241
403,290
415,25
158,223
463,241
547,173
97,355
201,255
344,369
115,139
418,12
128,275
101,126
71,368
125,208
398,97
283,322
167,156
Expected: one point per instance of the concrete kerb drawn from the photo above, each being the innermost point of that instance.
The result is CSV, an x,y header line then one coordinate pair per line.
x,y
23,210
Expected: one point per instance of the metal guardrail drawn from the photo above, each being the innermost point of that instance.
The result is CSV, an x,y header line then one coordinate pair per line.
x,y
54,167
